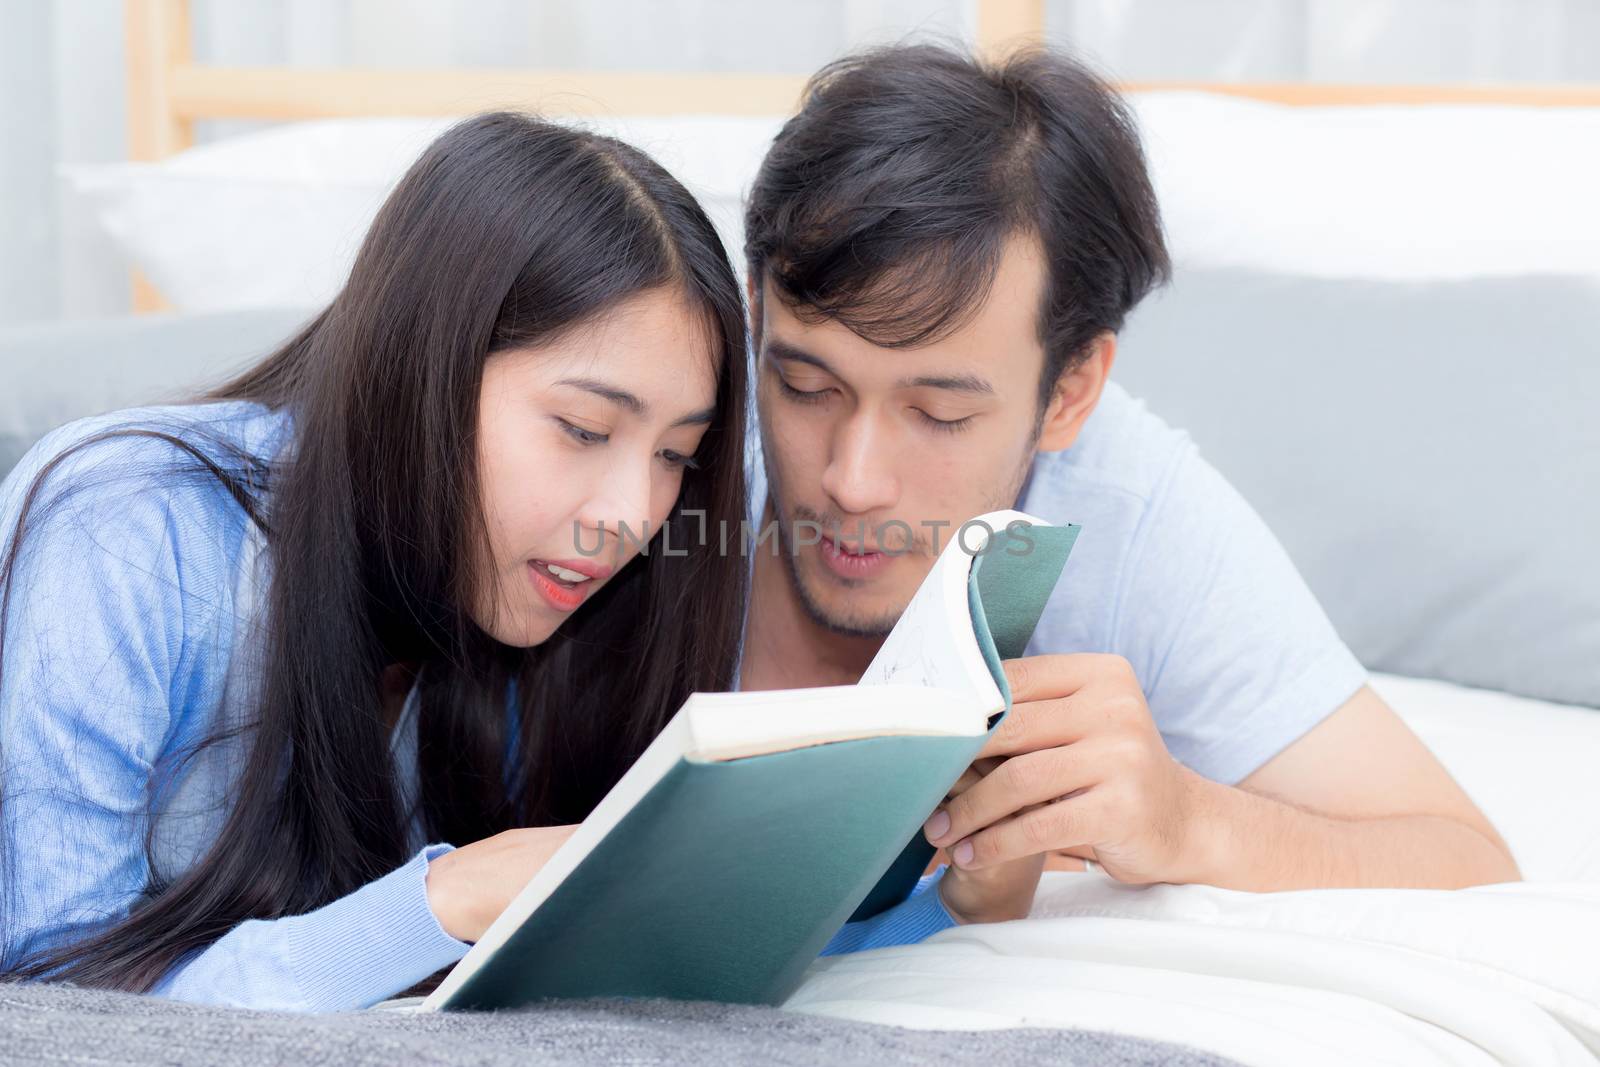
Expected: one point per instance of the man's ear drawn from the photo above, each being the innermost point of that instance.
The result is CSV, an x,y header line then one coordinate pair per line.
x,y
1076,394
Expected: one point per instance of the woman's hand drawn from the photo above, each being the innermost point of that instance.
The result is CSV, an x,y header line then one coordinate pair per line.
x,y
469,887
990,894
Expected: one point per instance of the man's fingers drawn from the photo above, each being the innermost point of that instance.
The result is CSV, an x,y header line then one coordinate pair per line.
x,y
1018,783
1060,700
973,775
1039,724
1059,675
968,779
1066,824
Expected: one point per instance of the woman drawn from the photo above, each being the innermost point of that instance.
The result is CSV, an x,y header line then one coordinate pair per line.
x,y
258,651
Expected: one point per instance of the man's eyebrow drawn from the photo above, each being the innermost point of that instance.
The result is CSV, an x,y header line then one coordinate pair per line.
x,y
959,383
620,397
790,354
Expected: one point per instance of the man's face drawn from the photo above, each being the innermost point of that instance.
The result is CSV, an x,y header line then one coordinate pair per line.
x,y
858,436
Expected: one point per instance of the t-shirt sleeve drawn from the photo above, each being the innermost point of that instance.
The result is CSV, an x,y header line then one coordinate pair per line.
x,y
1236,657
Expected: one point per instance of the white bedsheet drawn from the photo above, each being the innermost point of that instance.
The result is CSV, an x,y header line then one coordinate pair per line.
x,y
1494,975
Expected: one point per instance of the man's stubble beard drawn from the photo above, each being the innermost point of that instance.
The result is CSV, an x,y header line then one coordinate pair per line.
x,y
842,624
833,623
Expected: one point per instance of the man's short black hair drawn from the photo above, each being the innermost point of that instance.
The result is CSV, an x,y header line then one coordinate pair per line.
x,y
886,203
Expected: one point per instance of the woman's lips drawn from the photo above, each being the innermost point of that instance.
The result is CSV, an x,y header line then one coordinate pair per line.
x,y
566,583
850,564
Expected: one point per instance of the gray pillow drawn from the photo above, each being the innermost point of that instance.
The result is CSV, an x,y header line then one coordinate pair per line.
x,y
1426,452
57,372
1429,454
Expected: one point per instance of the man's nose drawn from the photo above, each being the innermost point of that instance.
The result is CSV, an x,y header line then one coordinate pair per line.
x,y
861,476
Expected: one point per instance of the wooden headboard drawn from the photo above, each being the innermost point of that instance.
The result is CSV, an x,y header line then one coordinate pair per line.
x,y
168,92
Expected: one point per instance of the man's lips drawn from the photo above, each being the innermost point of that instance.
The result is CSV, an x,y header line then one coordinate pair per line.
x,y
851,547
849,561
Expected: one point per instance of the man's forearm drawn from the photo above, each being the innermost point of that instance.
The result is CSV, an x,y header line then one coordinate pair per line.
x,y
1243,840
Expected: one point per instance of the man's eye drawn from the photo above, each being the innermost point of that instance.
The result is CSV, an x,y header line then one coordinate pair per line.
x,y
582,436
803,396
943,425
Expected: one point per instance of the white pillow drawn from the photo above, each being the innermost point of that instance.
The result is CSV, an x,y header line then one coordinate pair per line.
x,y
1384,192
274,218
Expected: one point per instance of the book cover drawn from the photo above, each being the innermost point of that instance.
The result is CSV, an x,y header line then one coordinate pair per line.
x,y
728,876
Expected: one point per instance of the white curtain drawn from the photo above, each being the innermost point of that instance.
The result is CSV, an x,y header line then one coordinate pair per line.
x,y
1336,40
606,34
61,68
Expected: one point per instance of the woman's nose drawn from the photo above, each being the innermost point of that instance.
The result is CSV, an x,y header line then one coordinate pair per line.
x,y
619,503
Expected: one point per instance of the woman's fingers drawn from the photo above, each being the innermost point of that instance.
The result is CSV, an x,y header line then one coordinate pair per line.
x,y
994,894
469,887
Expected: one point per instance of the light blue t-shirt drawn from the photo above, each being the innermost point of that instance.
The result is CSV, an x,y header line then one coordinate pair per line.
x,y
1176,573
133,634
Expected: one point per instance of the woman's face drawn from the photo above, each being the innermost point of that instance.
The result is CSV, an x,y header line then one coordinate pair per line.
x,y
580,440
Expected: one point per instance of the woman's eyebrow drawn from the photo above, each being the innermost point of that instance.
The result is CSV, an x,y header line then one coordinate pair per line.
x,y
618,396
698,418
633,403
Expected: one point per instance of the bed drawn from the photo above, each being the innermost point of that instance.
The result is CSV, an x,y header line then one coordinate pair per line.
x,y
1437,493
1494,975
1098,976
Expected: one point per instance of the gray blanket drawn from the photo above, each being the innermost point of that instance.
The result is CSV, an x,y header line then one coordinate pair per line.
x,y
64,1025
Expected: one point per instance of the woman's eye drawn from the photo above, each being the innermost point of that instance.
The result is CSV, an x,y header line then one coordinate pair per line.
x,y
679,461
943,425
582,436
802,396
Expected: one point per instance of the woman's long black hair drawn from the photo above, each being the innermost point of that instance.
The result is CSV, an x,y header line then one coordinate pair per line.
x,y
507,232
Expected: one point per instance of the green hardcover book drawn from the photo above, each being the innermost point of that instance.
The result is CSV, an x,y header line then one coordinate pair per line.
x,y
757,823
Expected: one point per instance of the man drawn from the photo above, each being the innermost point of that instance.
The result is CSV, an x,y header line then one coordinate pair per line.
x,y
941,254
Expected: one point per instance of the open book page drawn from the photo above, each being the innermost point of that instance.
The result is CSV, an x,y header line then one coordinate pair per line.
x,y
933,643
728,726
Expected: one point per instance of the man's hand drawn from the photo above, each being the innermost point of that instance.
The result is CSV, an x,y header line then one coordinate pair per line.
x,y
992,894
1084,771
1357,801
